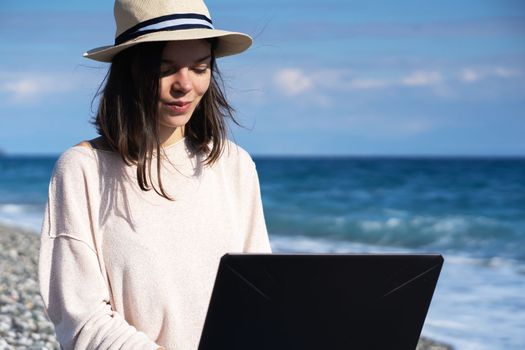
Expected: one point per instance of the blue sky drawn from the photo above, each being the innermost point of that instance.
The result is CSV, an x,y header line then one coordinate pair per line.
x,y
336,77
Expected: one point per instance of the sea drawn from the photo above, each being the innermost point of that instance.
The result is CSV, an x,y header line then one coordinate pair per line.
x,y
470,210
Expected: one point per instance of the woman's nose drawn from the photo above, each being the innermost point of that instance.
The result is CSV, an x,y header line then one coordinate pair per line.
x,y
181,82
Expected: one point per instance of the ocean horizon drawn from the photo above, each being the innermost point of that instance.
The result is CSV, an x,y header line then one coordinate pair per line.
x,y
470,209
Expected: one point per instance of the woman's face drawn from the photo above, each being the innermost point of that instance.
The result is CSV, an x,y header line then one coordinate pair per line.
x,y
185,77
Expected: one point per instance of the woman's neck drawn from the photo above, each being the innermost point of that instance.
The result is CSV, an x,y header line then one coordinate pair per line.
x,y
169,136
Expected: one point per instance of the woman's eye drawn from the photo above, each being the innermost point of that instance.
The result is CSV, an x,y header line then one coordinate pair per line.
x,y
168,71
165,71
200,70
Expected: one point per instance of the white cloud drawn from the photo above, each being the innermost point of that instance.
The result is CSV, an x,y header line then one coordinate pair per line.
x,y
471,75
293,81
422,78
21,88
323,83
28,87
503,72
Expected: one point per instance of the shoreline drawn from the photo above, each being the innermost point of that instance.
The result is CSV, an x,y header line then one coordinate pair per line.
x,y
23,322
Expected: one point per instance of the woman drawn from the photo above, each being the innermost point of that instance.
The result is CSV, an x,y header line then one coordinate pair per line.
x,y
137,219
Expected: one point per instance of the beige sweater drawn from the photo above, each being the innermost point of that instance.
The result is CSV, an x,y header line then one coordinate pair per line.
x,y
121,268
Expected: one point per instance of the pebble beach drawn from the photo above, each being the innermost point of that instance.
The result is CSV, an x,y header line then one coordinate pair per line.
x,y
23,322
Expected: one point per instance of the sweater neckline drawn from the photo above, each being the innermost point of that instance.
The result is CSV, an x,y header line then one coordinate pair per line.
x,y
177,144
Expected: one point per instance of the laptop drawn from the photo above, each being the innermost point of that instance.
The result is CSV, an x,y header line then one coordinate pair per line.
x,y
319,301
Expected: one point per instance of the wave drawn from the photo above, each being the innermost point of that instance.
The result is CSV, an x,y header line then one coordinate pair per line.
x,y
481,236
28,216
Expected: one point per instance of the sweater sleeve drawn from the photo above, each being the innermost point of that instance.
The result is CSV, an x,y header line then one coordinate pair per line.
x,y
257,240
72,281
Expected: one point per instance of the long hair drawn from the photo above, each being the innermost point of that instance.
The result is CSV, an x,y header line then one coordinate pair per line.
x,y
128,121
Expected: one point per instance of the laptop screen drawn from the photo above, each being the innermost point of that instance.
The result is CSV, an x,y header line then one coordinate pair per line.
x,y
317,301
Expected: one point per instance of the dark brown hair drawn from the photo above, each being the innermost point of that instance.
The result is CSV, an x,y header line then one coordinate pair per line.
x,y
128,121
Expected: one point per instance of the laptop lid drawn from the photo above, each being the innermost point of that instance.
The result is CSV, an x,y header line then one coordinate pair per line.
x,y
315,301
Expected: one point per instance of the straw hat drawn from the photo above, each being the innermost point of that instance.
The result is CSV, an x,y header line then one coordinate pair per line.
x,y
140,21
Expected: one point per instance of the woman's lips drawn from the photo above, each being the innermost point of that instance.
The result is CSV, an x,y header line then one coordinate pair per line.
x,y
177,107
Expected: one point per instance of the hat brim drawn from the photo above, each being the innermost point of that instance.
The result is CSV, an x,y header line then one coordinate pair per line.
x,y
228,43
